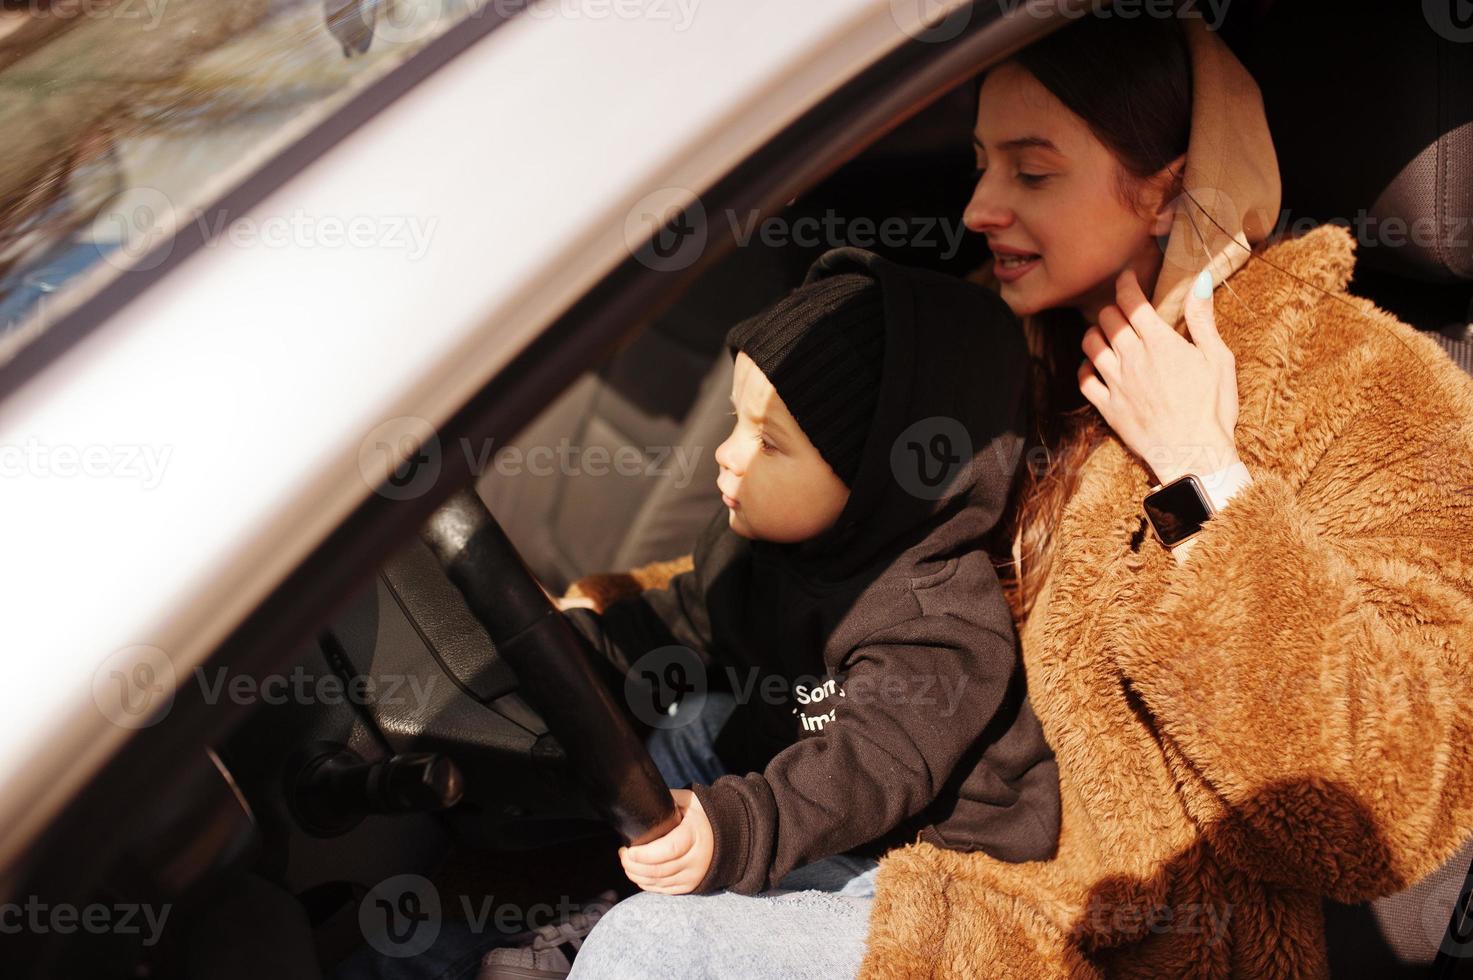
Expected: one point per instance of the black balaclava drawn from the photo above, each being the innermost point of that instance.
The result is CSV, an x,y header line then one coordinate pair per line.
x,y
822,347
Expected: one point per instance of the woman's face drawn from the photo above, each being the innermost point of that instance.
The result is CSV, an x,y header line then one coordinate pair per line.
x,y
1049,189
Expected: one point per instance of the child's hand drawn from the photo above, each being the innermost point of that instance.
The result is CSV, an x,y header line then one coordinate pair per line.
x,y
676,863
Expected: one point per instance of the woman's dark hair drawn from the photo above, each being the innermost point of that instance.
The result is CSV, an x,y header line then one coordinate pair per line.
x,y
1130,81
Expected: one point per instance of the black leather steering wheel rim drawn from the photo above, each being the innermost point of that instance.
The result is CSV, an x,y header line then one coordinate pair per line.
x,y
555,669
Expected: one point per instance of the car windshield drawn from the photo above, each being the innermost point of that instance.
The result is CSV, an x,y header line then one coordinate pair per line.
x,y
125,119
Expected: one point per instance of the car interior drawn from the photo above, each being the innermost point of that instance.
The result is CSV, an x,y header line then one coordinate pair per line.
x,y
447,771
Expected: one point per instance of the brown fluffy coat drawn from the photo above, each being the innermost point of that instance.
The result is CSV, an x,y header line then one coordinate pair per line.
x,y
1287,716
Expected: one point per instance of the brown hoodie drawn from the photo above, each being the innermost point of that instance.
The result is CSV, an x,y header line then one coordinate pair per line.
x,y
1289,714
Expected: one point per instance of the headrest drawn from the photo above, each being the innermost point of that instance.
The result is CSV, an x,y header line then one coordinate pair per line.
x,y
1371,109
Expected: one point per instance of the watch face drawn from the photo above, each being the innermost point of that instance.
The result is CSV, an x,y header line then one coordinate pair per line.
x,y
1177,511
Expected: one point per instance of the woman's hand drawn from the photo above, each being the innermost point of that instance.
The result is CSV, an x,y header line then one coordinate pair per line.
x,y
1172,401
676,863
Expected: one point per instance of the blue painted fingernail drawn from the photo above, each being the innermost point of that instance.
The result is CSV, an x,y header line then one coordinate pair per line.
x,y
1202,288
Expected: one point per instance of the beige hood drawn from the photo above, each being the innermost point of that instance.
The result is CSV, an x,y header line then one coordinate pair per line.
x,y
1231,182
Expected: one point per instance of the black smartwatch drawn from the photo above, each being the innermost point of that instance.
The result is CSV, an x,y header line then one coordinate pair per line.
x,y
1178,510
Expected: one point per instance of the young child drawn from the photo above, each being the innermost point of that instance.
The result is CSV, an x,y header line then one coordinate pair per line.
x,y
877,435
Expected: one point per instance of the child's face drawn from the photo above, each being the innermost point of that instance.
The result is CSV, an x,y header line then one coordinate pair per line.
x,y
775,484
1060,202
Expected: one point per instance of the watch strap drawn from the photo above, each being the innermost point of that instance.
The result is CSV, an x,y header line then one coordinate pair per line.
x,y
1221,485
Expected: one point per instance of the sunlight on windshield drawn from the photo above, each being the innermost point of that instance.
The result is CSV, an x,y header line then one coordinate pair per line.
x,y
125,119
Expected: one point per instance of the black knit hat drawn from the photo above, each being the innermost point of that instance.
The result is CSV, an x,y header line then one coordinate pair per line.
x,y
822,346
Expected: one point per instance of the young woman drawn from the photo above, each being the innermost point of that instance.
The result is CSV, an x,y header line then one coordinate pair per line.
x,y
1274,711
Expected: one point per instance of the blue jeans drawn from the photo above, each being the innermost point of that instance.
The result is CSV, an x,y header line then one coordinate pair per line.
x,y
812,925
684,752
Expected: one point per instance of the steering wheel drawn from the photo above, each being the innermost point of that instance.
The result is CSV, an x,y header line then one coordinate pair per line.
x,y
554,668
